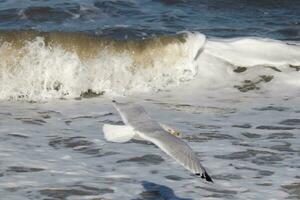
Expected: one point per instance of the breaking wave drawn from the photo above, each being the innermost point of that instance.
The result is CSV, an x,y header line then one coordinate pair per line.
x,y
41,66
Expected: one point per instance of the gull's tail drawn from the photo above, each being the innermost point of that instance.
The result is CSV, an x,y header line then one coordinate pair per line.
x,y
118,133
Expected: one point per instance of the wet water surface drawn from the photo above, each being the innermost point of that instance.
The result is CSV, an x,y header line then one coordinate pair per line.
x,y
43,157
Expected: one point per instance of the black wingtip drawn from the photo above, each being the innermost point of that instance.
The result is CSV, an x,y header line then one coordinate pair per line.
x,y
114,101
208,178
205,176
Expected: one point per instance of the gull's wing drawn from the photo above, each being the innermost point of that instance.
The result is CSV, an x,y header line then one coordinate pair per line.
x,y
148,129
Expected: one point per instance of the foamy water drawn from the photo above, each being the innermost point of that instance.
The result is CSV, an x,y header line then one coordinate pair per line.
x,y
224,74
248,143
42,67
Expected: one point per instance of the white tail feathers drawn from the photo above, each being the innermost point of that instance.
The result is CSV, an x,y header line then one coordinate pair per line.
x,y
118,133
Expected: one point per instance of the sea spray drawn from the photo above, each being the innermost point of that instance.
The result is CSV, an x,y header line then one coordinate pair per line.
x,y
42,66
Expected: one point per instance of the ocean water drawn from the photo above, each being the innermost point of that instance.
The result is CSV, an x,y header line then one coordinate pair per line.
x,y
226,74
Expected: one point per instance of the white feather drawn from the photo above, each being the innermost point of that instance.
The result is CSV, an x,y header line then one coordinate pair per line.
x,y
118,133
136,118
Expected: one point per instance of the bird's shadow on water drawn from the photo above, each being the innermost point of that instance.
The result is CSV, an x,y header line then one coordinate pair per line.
x,y
155,191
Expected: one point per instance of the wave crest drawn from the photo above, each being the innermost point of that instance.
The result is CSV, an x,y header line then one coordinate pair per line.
x,y
39,66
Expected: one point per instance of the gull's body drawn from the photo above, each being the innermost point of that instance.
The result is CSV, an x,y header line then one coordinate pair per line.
x,y
138,125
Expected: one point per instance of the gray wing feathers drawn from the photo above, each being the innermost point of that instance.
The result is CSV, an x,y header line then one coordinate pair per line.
x,y
148,129
132,113
178,150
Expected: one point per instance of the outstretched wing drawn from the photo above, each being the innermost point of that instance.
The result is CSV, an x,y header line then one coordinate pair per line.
x,y
148,129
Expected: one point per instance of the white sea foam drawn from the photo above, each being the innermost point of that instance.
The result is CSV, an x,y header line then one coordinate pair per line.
x,y
246,163
37,71
250,52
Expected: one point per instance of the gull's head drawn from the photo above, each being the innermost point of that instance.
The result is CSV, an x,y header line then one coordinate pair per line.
x,y
170,130
175,133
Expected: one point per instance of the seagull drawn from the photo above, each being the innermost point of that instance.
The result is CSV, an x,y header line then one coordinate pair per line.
x,y
139,126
